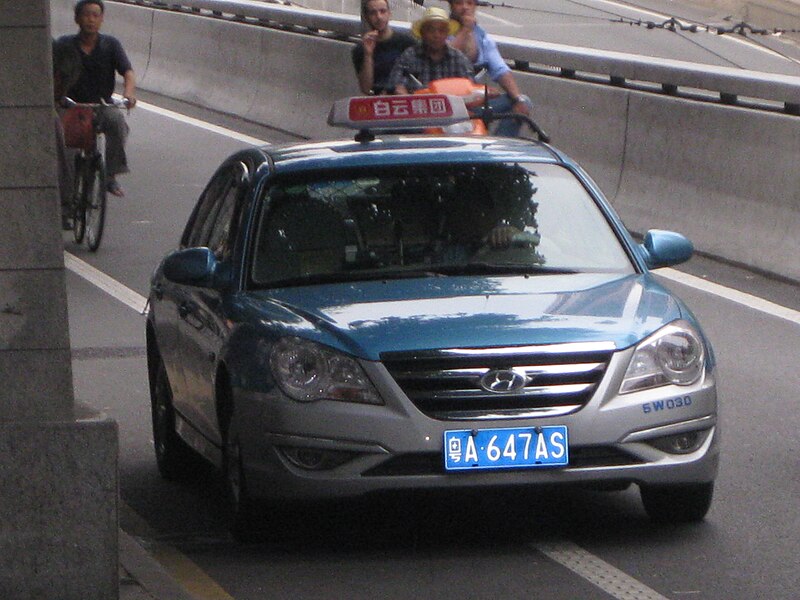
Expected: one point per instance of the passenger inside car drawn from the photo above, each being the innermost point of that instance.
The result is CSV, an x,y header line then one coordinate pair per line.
x,y
304,236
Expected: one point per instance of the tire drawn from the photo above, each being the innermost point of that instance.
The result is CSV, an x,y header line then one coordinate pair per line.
x,y
679,503
95,203
240,507
79,200
174,458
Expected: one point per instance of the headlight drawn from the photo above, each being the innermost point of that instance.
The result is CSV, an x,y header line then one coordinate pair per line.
x,y
307,371
672,355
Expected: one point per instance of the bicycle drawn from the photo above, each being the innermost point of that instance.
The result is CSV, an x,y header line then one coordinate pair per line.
x,y
88,198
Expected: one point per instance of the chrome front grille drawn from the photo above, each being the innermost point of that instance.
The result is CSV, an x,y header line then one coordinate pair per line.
x,y
455,384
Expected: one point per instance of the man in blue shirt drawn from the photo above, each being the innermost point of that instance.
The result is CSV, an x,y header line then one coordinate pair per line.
x,y
481,49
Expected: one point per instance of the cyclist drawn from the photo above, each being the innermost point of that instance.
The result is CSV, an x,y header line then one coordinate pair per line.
x,y
101,56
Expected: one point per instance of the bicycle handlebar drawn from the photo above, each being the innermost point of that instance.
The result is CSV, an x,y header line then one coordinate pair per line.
x,y
120,103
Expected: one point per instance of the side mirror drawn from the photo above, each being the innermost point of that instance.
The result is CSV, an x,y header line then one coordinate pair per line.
x,y
665,248
191,266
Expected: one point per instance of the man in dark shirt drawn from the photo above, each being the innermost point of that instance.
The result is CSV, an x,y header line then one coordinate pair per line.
x,y
432,59
374,57
101,57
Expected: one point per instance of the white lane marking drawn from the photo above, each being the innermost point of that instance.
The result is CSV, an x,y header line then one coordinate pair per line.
x,y
137,302
598,572
634,9
202,124
488,17
743,298
108,284
729,38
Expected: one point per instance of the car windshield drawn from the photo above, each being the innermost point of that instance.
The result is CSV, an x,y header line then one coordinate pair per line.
x,y
467,219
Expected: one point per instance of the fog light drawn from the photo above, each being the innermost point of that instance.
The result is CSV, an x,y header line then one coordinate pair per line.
x,y
315,459
680,443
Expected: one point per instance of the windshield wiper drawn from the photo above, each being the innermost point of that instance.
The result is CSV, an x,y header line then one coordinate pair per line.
x,y
349,276
486,268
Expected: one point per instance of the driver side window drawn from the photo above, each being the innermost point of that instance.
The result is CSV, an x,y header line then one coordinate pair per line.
x,y
215,222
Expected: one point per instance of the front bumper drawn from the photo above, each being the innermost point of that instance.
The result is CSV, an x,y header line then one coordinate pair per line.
x,y
319,450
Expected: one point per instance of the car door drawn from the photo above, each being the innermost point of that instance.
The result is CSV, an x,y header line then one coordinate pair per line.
x,y
203,325
168,299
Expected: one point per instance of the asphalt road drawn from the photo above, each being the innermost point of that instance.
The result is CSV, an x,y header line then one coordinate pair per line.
x,y
438,546
622,27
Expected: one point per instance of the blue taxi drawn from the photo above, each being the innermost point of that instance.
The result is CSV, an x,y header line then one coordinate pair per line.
x,y
407,311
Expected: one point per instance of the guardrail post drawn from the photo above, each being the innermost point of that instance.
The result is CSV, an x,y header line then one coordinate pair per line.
x,y
669,88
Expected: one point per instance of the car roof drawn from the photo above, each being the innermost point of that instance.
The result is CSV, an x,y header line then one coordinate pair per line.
x,y
407,150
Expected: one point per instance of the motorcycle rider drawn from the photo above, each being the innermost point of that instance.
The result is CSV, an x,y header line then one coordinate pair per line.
x,y
481,49
431,59
380,47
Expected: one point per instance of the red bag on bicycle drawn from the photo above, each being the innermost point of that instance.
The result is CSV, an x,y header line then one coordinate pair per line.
x,y
78,127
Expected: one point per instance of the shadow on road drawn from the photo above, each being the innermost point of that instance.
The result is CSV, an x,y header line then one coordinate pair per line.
x,y
190,515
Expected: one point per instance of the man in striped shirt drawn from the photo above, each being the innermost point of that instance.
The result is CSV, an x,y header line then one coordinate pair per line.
x,y
433,58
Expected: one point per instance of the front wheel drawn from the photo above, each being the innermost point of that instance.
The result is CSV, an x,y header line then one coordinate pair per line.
x,y
678,503
240,506
173,456
79,200
95,203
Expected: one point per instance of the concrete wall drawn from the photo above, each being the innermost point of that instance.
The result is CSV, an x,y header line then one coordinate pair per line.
x,y
58,469
726,176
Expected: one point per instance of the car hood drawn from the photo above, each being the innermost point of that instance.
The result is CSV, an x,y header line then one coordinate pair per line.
x,y
369,318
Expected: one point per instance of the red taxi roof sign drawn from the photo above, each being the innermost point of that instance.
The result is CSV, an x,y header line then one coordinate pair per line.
x,y
387,112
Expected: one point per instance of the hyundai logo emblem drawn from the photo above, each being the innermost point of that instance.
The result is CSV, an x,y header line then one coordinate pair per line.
x,y
503,381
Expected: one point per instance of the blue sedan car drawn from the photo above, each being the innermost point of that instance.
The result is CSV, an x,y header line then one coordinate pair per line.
x,y
420,312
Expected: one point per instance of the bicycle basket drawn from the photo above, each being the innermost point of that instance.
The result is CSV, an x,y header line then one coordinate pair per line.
x,y
78,127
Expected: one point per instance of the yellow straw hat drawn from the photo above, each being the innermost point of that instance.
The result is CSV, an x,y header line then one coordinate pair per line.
x,y
433,15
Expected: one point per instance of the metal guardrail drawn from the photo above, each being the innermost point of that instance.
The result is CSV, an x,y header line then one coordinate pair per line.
x,y
727,85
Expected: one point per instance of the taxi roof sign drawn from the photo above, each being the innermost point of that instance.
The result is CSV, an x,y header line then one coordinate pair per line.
x,y
407,111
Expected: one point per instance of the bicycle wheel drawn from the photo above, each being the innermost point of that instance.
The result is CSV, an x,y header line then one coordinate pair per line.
x,y
79,200
95,202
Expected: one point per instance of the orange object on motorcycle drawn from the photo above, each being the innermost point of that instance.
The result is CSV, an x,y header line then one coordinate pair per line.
x,y
474,96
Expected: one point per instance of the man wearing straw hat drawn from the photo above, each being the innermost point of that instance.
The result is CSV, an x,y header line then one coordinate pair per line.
x,y
433,58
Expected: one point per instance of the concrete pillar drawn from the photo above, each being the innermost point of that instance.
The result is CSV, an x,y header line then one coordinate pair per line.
x,y
58,460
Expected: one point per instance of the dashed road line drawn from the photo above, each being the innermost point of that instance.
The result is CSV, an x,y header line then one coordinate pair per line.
x,y
607,577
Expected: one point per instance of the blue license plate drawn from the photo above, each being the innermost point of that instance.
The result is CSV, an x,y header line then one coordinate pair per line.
x,y
523,447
